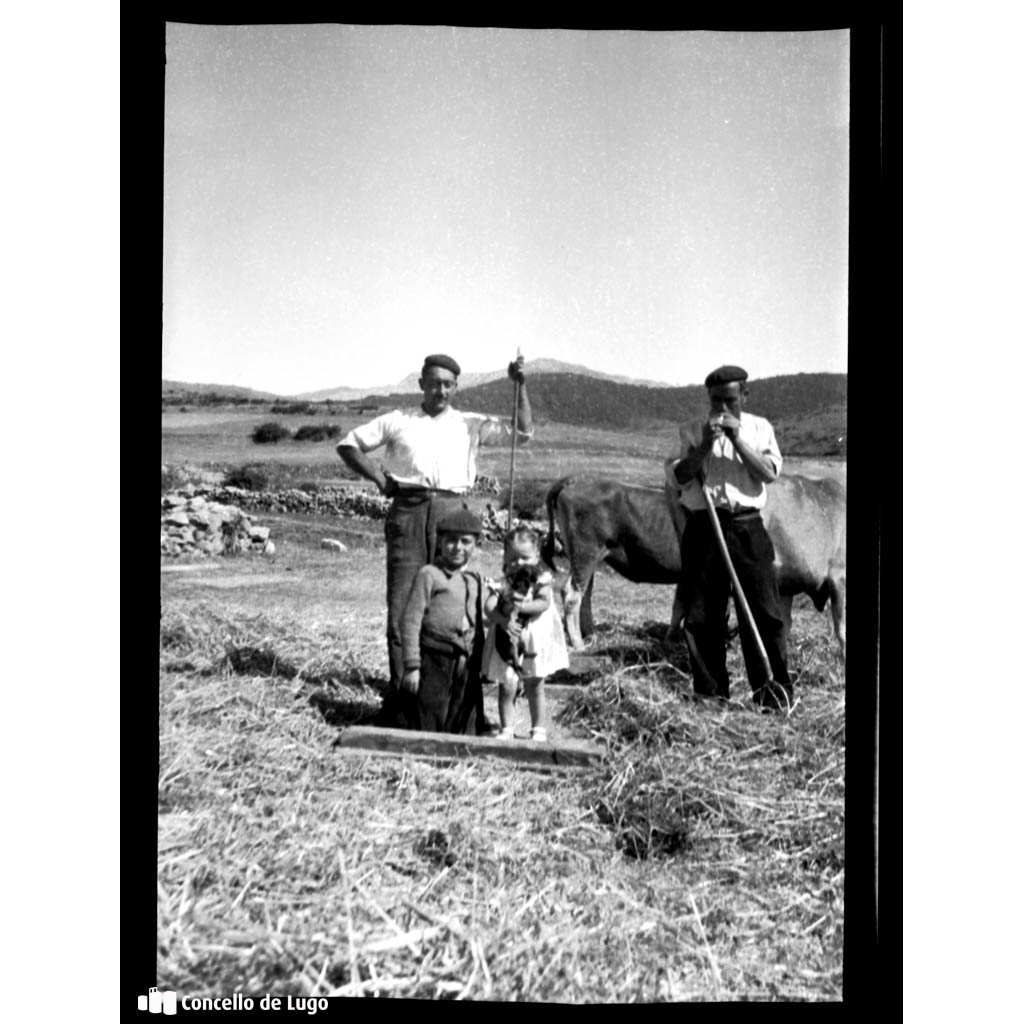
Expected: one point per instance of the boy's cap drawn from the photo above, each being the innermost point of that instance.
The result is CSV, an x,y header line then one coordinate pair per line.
x,y
462,521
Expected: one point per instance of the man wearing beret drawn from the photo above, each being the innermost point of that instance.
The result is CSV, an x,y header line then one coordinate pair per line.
x,y
734,454
429,465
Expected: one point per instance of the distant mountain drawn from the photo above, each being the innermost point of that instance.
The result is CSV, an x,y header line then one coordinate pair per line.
x,y
173,389
343,394
409,385
808,410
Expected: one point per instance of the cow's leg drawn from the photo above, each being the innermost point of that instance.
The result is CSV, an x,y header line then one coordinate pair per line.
x,y
677,614
837,596
786,603
587,610
571,599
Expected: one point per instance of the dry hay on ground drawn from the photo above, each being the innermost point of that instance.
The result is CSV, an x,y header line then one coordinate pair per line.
x,y
705,862
200,639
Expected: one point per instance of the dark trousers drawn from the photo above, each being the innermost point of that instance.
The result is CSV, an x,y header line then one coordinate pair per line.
x,y
410,533
450,695
706,587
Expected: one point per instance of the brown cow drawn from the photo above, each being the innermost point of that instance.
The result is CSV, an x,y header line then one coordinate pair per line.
x,y
636,531
600,520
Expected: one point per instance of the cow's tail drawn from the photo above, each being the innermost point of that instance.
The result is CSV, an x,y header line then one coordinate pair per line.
x,y
549,551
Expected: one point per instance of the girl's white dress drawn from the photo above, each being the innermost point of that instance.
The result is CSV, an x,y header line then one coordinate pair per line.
x,y
544,646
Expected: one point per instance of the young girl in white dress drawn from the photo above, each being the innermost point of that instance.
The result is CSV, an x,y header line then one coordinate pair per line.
x,y
534,625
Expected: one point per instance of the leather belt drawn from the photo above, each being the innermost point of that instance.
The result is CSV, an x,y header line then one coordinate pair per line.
x,y
415,492
738,513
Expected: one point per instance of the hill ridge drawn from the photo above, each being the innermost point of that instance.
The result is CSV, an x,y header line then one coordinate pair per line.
x,y
808,410
535,367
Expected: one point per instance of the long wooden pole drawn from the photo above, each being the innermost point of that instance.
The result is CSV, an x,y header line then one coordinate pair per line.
x,y
737,589
515,433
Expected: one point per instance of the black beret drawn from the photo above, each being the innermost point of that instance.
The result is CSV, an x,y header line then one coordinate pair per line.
x,y
462,521
725,375
446,362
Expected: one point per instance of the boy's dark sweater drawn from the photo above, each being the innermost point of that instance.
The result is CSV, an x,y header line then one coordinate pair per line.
x,y
442,604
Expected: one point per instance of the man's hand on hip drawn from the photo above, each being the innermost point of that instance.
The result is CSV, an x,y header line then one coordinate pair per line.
x,y
390,487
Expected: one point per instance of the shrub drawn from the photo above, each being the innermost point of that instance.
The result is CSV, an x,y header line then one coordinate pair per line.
x,y
251,477
270,433
487,485
213,398
170,479
317,432
529,499
292,408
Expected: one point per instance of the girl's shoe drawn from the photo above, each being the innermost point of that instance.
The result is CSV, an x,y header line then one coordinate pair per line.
x,y
539,735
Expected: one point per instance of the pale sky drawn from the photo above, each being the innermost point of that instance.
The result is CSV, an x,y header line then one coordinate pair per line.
x,y
341,200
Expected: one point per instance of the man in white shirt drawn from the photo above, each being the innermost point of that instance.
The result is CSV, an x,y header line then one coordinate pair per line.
x,y
736,455
429,464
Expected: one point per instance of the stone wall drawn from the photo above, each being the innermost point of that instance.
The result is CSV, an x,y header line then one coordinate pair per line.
x,y
195,525
324,501
211,519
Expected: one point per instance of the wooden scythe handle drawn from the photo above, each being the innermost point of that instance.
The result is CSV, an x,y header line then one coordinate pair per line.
x,y
737,589
515,434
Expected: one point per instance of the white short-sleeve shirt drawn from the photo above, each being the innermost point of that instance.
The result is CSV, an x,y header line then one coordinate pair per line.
x,y
727,477
430,451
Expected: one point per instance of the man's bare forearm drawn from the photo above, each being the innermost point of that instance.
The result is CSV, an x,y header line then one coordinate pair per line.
x,y
758,465
688,467
524,414
365,467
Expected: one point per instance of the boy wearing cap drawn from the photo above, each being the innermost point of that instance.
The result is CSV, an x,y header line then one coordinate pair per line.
x,y
736,455
429,463
442,635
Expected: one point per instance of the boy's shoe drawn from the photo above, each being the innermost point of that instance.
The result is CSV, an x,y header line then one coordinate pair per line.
x,y
505,734
539,735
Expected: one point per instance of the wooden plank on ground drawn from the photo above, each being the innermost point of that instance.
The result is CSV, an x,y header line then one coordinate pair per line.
x,y
560,753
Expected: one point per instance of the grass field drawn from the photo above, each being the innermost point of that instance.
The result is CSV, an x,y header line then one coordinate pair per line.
x,y
704,861
220,438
